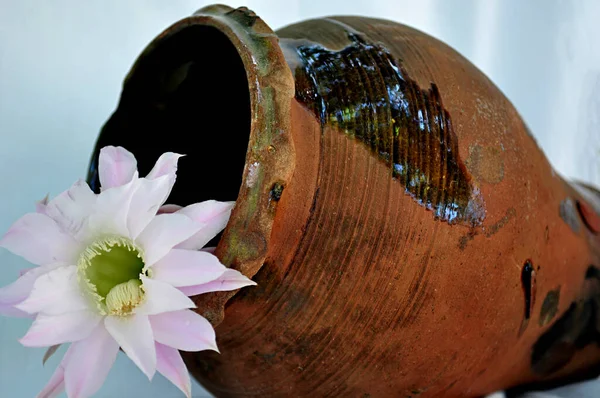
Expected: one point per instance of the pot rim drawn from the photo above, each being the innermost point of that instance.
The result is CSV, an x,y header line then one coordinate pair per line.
x,y
270,156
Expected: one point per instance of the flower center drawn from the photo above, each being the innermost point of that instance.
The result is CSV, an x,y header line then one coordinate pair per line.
x,y
110,270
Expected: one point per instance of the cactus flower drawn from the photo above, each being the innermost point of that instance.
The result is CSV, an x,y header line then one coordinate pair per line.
x,y
113,271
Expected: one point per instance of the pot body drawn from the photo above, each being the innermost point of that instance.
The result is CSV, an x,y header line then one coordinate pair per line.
x,y
412,239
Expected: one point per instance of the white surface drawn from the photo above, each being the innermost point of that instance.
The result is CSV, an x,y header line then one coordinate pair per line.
x,y
62,64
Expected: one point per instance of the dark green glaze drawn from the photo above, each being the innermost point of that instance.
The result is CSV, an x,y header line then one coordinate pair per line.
x,y
362,91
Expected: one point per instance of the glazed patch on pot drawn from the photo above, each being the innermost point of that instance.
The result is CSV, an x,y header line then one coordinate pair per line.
x,y
361,91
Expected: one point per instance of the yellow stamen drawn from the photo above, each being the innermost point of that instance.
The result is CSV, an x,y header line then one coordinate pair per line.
x,y
123,298
111,266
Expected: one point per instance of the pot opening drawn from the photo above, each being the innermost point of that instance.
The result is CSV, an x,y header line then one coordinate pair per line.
x,y
188,93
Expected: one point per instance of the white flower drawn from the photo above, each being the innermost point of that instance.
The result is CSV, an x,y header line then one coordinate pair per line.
x,y
112,273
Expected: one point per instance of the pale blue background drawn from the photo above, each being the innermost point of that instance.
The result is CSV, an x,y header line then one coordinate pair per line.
x,y
62,63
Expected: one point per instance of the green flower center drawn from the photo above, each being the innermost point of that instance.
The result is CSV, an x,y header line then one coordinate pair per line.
x,y
110,271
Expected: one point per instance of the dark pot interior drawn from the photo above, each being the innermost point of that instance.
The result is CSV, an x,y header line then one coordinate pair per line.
x,y
189,95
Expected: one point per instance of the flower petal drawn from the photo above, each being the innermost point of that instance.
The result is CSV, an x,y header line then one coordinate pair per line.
x,y
116,166
166,165
38,239
184,330
164,232
9,310
230,280
20,289
162,297
187,267
89,363
214,215
154,192
55,293
112,209
49,330
72,208
170,364
146,201
134,335
56,385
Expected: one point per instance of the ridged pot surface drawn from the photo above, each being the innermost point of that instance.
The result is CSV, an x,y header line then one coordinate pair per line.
x,y
407,235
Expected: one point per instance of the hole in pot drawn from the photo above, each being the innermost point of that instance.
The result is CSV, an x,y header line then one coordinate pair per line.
x,y
188,94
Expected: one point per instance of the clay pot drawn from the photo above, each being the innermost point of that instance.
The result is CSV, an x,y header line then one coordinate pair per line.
x,y
407,235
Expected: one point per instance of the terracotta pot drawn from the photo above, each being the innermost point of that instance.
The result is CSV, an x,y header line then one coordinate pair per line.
x,y
407,235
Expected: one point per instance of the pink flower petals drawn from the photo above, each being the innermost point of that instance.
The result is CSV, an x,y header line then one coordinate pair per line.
x,y
48,330
230,280
71,209
163,233
38,239
213,215
170,364
187,267
184,330
166,165
116,166
56,384
89,362
149,324
111,211
56,292
16,292
162,297
134,335
147,199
